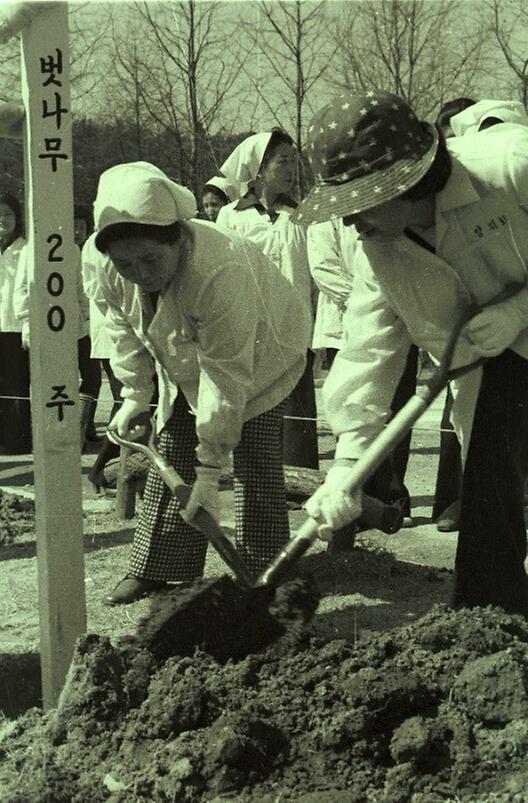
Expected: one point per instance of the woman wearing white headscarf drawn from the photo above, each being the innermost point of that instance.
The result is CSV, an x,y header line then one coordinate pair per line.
x,y
217,192
486,113
264,167
228,337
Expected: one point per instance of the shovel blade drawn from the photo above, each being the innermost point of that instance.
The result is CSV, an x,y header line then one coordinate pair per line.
x,y
216,616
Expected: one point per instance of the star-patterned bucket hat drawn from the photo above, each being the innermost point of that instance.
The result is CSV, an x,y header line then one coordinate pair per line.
x,y
364,150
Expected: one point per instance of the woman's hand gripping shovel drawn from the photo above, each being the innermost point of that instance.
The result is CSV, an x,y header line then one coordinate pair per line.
x,y
231,619
142,439
385,443
224,617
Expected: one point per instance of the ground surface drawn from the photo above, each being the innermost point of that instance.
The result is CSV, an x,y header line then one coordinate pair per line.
x,y
366,710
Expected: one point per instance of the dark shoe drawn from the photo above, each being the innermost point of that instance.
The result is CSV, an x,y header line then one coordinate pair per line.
x,y
131,588
99,480
343,540
449,520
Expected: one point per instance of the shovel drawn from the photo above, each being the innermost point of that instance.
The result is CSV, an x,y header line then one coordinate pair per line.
x,y
386,441
203,521
230,620
378,515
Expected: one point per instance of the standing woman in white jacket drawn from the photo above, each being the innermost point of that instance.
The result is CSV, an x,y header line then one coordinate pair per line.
x,y
228,338
264,168
15,416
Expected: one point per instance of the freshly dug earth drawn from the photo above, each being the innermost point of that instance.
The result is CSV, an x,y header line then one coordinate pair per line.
x,y
434,711
17,516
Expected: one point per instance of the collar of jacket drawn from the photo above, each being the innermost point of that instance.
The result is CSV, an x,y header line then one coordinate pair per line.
x,y
250,199
459,191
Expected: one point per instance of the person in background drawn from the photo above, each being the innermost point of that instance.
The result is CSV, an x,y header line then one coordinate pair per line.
x,y
264,167
331,250
484,114
89,365
467,118
15,413
228,336
448,487
216,193
102,348
443,229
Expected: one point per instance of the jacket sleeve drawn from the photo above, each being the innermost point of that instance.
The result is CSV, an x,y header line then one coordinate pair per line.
x,y
226,346
131,361
20,289
84,304
302,277
225,218
517,166
360,386
326,263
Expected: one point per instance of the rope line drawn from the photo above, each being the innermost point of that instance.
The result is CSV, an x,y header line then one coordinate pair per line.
x,y
323,424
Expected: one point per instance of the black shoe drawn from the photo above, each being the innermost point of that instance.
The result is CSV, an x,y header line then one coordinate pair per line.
x,y
131,588
343,540
449,520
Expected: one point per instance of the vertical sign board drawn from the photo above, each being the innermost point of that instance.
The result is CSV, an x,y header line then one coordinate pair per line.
x,y
53,333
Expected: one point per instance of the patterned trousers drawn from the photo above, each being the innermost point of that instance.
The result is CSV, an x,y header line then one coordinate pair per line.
x,y
166,548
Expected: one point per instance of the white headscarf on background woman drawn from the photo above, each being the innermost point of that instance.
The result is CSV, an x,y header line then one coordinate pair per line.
x,y
225,186
470,120
242,166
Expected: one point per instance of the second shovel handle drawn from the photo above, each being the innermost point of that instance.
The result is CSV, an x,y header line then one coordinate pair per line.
x,y
206,524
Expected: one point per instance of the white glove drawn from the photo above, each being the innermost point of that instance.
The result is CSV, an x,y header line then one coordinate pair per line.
x,y
205,493
494,329
122,422
331,505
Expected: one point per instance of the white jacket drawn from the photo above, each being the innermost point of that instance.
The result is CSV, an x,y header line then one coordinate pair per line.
x,y
92,262
283,242
8,278
403,293
331,249
229,330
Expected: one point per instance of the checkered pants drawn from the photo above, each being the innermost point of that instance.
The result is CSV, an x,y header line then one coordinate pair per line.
x,y
166,548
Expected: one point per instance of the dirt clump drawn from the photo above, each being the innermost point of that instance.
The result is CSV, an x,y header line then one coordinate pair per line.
x,y
17,517
434,711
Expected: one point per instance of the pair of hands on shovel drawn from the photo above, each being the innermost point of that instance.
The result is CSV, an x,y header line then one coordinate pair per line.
x,y
133,422
492,329
332,506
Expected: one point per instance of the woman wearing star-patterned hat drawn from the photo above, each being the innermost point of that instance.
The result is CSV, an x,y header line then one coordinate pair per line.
x,y
442,225
364,150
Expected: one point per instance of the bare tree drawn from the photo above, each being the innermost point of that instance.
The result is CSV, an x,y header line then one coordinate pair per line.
x,y
286,59
88,31
424,51
509,25
184,75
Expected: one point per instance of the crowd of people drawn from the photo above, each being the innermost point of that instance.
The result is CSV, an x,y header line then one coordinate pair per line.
x,y
214,317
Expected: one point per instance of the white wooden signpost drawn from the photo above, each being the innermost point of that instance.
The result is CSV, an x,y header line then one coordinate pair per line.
x,y
53,332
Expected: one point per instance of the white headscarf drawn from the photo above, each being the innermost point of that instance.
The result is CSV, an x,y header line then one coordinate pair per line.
x,y
242,166
470,120
139,192
224,185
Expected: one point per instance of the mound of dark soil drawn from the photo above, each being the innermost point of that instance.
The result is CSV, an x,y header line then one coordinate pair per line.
x,y
431,712
17,517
